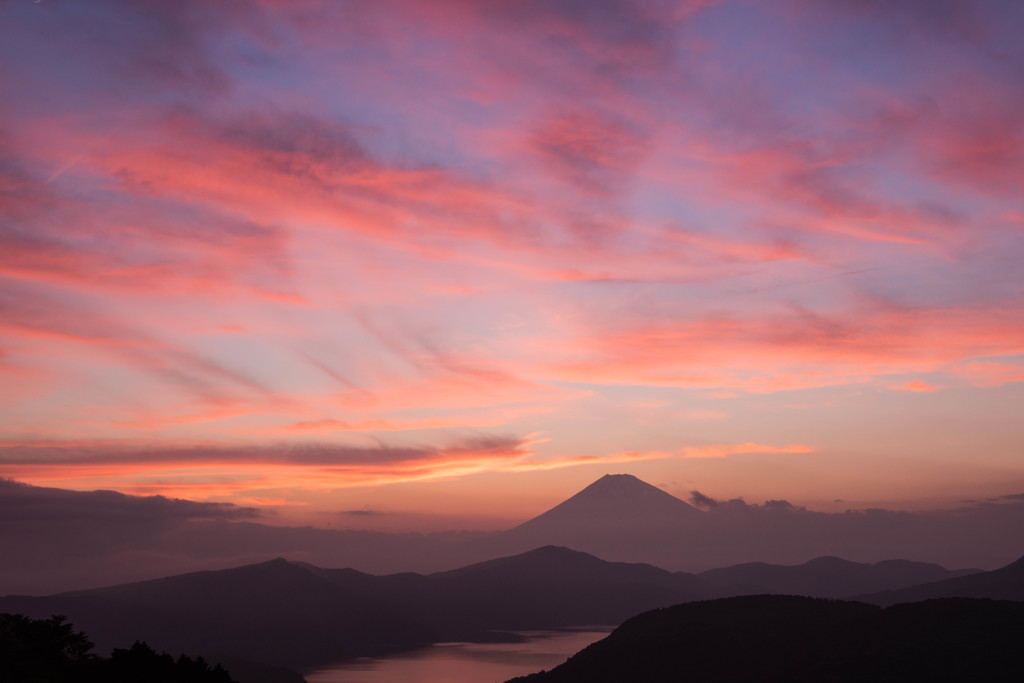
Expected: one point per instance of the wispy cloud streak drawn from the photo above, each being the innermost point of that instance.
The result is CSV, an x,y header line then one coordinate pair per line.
x,y
426,224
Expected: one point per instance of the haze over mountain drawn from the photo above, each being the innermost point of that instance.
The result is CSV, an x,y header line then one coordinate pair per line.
x,y
56,540
622,518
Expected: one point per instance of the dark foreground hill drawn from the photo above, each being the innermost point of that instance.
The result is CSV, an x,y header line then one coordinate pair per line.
x,y
1006,583
796,639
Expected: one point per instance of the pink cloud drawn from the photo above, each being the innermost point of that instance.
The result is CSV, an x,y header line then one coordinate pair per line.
x,y
795,350
591,153
334,220
984,373
982,149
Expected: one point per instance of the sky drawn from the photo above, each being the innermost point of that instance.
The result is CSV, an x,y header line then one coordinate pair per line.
x,y
436,264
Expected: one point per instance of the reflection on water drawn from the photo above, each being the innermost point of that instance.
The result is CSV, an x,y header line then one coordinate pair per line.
x,y
464,662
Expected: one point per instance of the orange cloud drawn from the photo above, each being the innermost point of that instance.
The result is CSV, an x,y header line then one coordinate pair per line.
x,y
725,450
479,417
689,452
238,473
919,386
220,471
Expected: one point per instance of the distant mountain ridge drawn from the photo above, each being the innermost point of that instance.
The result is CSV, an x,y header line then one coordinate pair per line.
x,y
825,577
296,614
1006,583
100,536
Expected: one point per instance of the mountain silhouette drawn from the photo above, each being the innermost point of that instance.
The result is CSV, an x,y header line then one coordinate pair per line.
x,y
1006,583
619,500
298,615
824,577
618,517
274,612
775,638
552,587
549,587
293,614
621,518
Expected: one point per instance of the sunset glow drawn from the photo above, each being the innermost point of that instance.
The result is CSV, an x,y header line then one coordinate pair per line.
x,y
460,258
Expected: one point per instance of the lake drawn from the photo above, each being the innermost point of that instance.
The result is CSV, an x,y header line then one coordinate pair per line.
x,y
464,662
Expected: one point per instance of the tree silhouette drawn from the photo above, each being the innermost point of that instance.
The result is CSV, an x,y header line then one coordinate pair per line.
x,y
41,649
51,651
141,662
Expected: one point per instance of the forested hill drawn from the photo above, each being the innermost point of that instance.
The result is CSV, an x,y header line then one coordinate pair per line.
x,y
775,638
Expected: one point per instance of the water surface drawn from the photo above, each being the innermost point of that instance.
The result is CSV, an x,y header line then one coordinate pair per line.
x,y
464,662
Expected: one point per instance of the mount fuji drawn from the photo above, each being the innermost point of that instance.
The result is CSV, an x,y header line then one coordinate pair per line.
x,y
618,517
615,501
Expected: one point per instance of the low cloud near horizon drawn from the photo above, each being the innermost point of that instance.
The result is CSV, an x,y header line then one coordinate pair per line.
x,y
21,502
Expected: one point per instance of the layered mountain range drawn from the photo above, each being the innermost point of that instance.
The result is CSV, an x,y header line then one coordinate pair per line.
x,y
297,614
94,537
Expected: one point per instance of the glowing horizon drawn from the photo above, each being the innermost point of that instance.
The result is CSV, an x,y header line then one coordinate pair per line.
x,y
460,258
